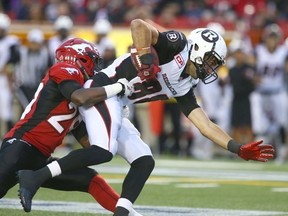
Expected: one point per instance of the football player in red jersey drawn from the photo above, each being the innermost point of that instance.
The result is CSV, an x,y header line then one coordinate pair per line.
x,y
51,115
183,61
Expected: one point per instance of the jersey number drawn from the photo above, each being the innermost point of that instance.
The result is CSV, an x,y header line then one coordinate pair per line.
x,y
268,71
146,88
53,120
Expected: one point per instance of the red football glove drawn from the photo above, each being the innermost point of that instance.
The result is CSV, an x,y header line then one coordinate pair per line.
x,y
256,151
145,66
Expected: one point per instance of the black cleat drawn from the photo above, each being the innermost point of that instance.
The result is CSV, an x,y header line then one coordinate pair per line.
x,y
25,199
28,186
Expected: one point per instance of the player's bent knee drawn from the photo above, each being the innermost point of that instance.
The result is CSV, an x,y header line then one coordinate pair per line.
x,y
92,155
145,163
99,152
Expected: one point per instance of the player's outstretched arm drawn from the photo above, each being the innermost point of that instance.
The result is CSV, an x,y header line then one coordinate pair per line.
x,y
250,151
91,96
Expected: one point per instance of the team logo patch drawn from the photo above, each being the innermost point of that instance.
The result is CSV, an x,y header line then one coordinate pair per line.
x,y
210,36
179,60
71,71
172,36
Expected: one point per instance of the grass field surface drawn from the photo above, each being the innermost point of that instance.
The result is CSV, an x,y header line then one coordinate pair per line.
x,y
178,187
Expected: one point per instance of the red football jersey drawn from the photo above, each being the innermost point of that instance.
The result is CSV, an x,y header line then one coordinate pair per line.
x,y
49,116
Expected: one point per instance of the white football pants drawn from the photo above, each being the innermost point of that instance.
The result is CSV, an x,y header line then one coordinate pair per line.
x,y
109,130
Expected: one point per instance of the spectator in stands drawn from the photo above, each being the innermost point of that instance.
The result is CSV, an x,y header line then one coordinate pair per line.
x,y
57,8
23,10
168,15
31,11
131,9
100,10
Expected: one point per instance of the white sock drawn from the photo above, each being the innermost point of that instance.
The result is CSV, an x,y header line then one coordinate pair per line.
x,y
125,203
54,168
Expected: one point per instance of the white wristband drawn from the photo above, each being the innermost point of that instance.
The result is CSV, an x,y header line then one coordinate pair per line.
x,y
113,89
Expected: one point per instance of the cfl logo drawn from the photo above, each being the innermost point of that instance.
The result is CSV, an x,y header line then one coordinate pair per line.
x,y
179,60
210,36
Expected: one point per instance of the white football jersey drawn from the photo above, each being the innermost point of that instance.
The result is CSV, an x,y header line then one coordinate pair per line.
x,y
270,68
5,44
169,82
172,81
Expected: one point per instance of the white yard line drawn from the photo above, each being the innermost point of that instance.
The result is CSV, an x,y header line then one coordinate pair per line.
x,y
204,173
74,207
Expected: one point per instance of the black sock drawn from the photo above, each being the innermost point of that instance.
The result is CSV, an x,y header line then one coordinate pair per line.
x,y
43,174
121,211
139,172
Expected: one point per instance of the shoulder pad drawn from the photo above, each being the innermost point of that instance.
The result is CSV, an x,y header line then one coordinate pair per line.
x,y
63,71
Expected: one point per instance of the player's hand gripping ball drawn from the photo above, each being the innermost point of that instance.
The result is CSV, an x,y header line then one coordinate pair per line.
x,y
147,65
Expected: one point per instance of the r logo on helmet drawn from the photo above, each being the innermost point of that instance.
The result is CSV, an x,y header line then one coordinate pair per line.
x,y
210,36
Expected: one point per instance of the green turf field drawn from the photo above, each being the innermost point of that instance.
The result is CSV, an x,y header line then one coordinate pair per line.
x,y
219,184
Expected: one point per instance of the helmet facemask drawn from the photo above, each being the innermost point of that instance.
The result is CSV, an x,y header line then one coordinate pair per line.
x,y
95,59
206,68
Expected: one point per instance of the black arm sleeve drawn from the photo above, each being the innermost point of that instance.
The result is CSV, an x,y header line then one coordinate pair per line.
x,y
80,131
187,102
67,87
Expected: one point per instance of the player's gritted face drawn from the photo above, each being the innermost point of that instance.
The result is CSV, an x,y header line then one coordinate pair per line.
x,y
210,63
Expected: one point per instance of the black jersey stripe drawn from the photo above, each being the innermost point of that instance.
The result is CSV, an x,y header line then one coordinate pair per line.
x,y
104,112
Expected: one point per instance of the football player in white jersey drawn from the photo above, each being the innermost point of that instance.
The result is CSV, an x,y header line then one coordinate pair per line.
x,y
9,56
182,62
269,110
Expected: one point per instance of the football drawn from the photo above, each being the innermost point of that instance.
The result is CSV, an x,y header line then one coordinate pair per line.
x,y
136,60
155,55
147,64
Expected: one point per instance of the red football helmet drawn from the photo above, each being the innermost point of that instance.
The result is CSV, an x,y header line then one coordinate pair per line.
x,y
81,53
